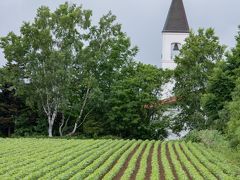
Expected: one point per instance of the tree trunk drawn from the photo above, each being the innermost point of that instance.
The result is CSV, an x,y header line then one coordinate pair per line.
x,y
50,129
74,130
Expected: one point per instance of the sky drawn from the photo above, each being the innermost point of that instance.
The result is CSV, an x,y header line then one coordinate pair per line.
x,y
142,20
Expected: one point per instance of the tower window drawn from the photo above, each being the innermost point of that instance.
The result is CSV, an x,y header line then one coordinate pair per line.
x,y
175,50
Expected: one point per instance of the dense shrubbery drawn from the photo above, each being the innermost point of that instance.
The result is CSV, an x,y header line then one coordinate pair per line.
x,y
210,138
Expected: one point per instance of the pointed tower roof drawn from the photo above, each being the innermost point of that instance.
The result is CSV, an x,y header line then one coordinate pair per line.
x,y
176,19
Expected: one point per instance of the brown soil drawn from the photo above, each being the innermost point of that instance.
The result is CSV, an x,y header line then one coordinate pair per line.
x,y
112,165
183,166
161,170
149,164
170,162
190,160
125,165
134,174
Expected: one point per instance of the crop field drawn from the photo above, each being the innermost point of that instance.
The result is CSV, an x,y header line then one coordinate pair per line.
x,y
110,159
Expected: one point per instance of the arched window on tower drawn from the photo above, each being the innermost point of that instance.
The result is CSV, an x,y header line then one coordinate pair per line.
x,y
175,50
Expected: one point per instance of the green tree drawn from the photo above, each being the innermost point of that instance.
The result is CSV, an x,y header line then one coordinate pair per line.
x,y
234,114
44,53
134,111
218,93
194,64
221,84
233,69
62,62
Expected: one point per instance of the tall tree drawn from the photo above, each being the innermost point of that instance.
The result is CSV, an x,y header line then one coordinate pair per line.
x,y
130,97
234,114
221,84
61,60
194,64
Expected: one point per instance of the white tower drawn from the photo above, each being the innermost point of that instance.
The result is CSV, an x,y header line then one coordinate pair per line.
x,y
174,33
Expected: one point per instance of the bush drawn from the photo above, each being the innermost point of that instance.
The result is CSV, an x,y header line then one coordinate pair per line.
x,y
210,138
193,136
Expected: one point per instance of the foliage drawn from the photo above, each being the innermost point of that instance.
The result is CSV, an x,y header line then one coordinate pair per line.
x,y
233,106
194,64
218,93
234,113
210,138
128,115
65,66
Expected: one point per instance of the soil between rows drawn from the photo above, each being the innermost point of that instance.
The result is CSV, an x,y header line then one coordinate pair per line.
x,y
149,164
204,165
134,174
183,166
161,169
190,160
125,165
170,162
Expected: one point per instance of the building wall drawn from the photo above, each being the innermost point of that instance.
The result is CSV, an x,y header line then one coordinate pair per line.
x,y
167,39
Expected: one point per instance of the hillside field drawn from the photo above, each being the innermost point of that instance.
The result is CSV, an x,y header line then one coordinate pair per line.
x,y
110,159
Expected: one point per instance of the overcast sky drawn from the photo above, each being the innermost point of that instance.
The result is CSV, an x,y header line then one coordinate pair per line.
x,y
142,20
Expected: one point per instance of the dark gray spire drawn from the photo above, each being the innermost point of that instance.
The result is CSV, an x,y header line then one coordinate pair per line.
x,y
176,19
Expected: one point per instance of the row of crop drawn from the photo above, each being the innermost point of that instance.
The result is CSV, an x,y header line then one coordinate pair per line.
x,y
155,162
190,167
216,170
11,147
132,163
39,160
13,158
15,148
99,161
143,163
14,165
181,175
166,165
202,169
103,159
224,165
116,168
44,159
87,160
104,168
29,153
55,166
51,168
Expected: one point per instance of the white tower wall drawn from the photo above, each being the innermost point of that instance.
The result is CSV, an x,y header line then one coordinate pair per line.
x,y
167,40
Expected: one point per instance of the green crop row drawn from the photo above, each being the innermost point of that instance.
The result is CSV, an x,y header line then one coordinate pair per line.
x,y
87,159
216,170
30,159
132,163
143,163
166,165
97,162
109,159
183,158
100,171
177,165
155,165
68,160
204,171
221,163
116,168
37,168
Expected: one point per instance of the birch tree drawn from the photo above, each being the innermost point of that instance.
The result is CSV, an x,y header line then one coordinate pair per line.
x,y
44,53
62,60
